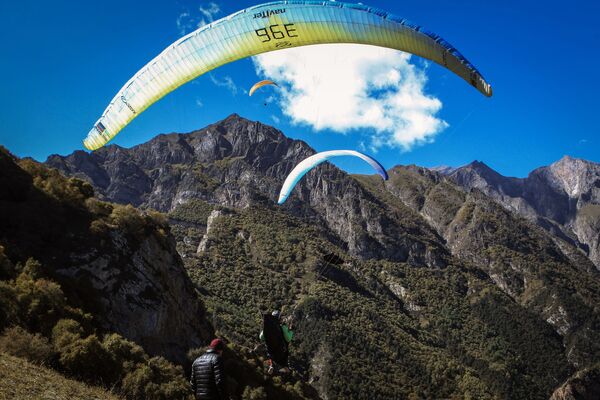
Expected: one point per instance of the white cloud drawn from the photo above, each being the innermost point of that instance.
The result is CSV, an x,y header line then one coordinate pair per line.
x,y
199,103
184,23
348,87
226,82
190,20
275,119
208,11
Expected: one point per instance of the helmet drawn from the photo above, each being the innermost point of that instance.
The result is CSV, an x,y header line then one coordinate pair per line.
x,y
276,314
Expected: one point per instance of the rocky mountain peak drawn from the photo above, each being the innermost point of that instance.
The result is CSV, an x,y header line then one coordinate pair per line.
x,y
481,168
563,197
477,175
236,128
573,175
476,167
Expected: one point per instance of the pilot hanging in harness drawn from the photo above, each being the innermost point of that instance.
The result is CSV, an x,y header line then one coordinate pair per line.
x,y
277,335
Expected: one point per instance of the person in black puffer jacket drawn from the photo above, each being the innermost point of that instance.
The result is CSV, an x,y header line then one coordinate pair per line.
x,y
208,376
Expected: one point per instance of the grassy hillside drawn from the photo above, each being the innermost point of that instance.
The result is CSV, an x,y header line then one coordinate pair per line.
x,y
21,380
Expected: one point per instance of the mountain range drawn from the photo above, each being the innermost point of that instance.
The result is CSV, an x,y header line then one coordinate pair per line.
x,y
562,198
438,283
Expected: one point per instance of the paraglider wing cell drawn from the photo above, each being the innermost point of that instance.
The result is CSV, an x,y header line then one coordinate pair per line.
x,y
309,163
269,27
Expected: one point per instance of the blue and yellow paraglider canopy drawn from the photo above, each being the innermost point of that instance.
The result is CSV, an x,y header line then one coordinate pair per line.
x,y
270,27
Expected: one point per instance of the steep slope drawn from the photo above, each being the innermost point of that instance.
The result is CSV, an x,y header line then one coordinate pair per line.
x,y
522,259
584,385
374,329
111,261
20,380
238,163
495,309
563,198
75,270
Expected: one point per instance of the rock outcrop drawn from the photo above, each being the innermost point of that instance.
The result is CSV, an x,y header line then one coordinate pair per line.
x,y
584,385
140,291
114,262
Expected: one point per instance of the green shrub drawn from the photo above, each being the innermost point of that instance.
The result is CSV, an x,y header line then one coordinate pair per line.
x,y
192,354
124,356
251,393
159,219
86,359
9,309
98,207
33,269
18,342
41,302
128,218
69,190
157,379
65,332
98,227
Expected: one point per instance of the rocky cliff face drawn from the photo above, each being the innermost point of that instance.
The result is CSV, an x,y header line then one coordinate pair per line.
x,y
112,261
222,163
239,163
563,198
141,291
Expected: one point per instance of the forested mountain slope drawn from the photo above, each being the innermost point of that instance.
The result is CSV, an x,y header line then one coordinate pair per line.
x,y
414,288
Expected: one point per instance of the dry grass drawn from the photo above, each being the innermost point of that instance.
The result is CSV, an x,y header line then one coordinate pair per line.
x,y
20,379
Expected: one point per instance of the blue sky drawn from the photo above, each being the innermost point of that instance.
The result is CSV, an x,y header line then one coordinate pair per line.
x,y
63,61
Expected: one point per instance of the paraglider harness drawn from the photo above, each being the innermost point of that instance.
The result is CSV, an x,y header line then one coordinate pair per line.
x,y
276,342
